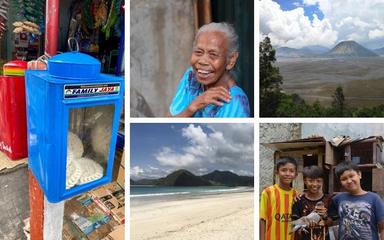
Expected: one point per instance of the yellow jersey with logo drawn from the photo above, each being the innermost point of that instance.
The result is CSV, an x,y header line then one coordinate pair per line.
x,y
276,210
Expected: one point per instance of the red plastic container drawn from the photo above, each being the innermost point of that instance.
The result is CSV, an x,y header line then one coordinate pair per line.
x,y
13,125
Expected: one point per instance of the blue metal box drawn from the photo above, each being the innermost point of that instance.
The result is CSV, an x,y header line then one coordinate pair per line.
x,y
72,116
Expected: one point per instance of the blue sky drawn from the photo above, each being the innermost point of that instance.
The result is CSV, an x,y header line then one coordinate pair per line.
x,y
309,10
302,23
159,149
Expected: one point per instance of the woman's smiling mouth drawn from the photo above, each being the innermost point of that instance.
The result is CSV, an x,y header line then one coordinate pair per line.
x,y
203,73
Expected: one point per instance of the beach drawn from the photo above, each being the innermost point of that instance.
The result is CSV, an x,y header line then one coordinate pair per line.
x,y
226,216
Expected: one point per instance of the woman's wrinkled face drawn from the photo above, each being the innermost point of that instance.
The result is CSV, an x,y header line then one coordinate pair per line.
x,y
209,57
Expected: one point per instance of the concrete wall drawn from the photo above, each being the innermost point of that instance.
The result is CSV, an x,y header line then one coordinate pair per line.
x,y
330,130
273,132
162,33
354,130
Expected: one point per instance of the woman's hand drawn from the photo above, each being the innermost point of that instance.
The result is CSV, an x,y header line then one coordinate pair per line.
x,y
214,95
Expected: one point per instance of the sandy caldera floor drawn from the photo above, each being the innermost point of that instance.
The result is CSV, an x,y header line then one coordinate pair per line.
x,y
225,217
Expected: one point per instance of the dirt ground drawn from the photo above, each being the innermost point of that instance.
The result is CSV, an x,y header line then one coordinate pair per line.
x,y
362,79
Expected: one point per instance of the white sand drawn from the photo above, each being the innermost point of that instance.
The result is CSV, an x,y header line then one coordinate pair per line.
x,y
220,217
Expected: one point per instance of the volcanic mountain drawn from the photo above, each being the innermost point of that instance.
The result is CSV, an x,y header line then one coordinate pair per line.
x,y
350,49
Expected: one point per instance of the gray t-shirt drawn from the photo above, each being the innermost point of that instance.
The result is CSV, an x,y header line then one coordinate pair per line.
x,y
358,215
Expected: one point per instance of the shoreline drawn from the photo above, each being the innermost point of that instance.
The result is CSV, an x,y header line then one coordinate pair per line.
x,y
145,198
222,216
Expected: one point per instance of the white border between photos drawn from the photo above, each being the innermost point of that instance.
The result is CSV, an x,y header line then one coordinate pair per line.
x,y
256,141
127,122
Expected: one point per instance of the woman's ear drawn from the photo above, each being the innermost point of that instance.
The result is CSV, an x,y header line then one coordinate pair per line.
x,y
232,61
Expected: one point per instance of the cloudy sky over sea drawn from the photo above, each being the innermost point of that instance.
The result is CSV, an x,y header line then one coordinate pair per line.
x,y
159,149
300,23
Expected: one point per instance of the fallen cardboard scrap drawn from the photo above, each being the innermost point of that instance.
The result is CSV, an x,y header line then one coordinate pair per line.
x,y
83,219
6,163
121,177
116,234
111,198
123,159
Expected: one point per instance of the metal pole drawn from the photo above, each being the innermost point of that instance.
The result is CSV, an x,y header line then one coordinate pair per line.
x,y
36,195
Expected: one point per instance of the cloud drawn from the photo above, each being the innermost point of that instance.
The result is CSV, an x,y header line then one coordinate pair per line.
x,y
195,134
310,2
343,20
136,171
375,34
353,23
361,19
293,28
297,4
147,172
223,146
168,157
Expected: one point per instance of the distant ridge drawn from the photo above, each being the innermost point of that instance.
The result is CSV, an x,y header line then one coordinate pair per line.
x,y
228,178
350,49
379,51
292,52
183,177
310,51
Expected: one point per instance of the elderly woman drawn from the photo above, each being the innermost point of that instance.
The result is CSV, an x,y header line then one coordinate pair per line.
x,y
208,87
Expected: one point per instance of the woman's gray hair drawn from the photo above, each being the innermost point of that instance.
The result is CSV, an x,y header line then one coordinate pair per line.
x,y
227,29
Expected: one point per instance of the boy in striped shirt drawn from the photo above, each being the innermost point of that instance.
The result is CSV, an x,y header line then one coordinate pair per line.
x,y
276,203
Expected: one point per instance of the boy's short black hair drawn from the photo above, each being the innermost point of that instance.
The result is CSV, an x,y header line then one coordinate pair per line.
x,y
345,166
284,160
313,172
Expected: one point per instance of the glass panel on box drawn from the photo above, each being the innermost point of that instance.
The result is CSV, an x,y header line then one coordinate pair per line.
x,y
88,143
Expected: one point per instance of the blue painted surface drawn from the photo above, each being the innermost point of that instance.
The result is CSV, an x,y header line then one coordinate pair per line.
x,y
48,120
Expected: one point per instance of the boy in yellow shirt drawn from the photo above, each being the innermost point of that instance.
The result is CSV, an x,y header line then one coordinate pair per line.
x,y
276,203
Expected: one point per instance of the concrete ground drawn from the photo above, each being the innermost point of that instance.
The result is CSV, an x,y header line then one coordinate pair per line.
x,y
14,202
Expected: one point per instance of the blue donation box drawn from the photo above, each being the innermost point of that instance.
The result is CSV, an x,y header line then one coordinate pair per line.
x,y
73,114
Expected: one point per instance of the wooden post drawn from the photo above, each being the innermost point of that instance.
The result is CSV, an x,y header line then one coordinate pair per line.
x,y
203,12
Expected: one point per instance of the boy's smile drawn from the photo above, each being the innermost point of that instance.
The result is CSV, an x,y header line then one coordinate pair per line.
x,y
287,173
314,185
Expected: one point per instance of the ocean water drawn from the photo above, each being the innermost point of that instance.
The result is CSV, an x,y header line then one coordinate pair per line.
x,y
163,193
